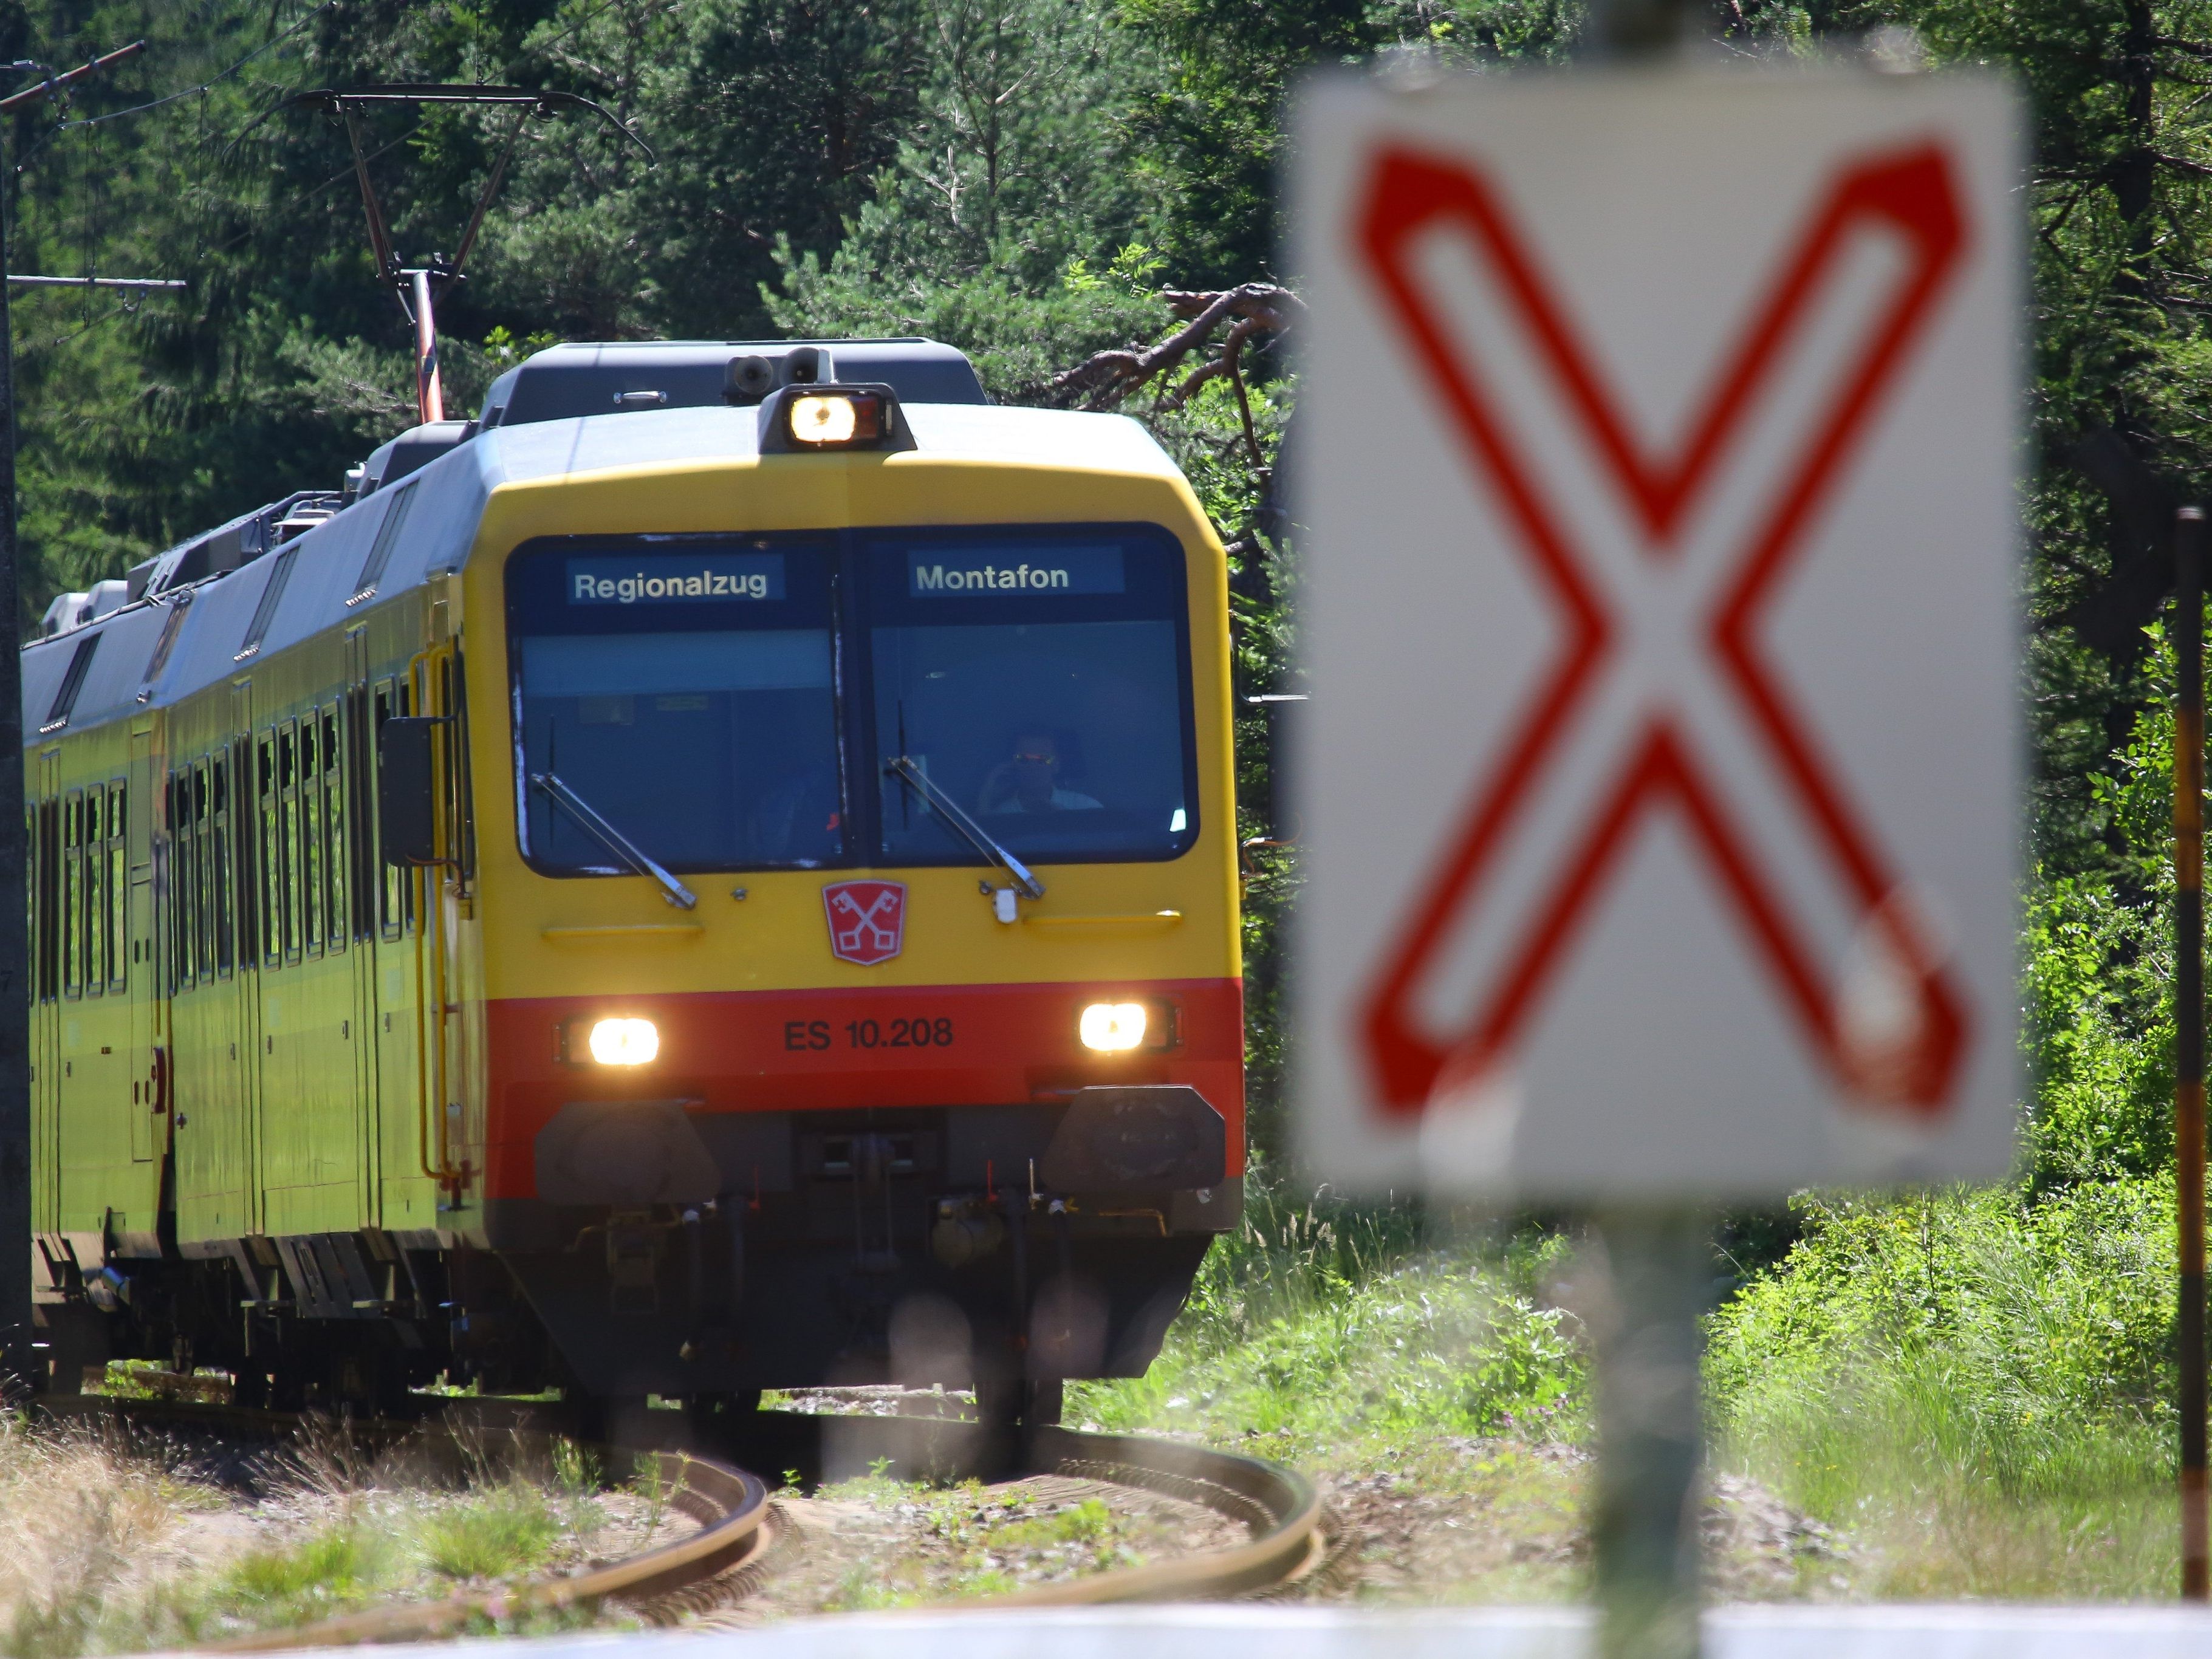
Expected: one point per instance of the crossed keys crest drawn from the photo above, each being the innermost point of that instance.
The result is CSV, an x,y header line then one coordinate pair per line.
x,y
867,919
1659,692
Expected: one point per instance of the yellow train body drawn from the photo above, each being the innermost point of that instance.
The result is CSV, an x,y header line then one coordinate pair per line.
x,y
276,1071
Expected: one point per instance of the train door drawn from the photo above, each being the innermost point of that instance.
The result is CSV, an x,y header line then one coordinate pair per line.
x,y
46,1013
251,922
288,1163
225,819
351,811
408,1196
33,868
448,988
140,969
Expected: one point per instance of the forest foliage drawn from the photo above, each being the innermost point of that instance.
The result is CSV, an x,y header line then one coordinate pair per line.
x,y
1025,178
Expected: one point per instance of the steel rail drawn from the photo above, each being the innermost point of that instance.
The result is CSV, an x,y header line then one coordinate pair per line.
x,y
732,1535
731,1504
1281,1508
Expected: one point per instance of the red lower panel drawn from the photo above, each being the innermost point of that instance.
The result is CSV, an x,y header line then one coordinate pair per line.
x,y
760,1051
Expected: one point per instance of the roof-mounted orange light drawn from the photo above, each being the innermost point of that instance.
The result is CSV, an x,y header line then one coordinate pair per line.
x,y
833,420
801,419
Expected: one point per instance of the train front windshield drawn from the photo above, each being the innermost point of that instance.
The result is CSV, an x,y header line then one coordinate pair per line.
x,y
682,692
731,704
1040,680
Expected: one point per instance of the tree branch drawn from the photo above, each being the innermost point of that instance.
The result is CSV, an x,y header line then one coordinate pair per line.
x,y
1106,378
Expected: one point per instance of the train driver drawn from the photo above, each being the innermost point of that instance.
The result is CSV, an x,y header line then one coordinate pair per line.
x,y
1029,780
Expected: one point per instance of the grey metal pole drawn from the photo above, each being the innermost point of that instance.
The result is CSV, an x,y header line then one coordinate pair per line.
x,y
1645,1539
2189,538
1644,1531
18,1367
1638,28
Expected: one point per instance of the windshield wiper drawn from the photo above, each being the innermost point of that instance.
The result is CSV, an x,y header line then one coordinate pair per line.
x,y
946,807
613,839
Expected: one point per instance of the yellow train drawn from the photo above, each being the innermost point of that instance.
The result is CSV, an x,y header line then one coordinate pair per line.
x,y
718,873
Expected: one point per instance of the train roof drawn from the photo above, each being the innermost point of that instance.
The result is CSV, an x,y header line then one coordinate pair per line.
x,y
566,381
334,561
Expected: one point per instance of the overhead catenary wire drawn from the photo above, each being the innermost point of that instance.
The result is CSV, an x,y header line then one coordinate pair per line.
x,y
53,84
98,281
206,86
313,190
92,180
199,90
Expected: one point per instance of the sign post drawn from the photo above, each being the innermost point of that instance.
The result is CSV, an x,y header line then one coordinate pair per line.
x,y
1645,1535
1663,770
2189,1031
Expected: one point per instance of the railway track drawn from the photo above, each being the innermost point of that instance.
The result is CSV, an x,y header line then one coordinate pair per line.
x,y
724,1561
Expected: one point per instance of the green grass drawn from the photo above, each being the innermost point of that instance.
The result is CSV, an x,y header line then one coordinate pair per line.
x,y
1973,1387
1975,1384
330,1572
505,1534
376,1543
148,1379
965,1540
1086,1522
1333,1333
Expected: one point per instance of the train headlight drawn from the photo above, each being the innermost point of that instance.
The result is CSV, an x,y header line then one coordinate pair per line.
x,y
1112,1028
625,1042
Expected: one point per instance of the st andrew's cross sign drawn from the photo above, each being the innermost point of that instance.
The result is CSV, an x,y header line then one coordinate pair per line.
x,y
1656,456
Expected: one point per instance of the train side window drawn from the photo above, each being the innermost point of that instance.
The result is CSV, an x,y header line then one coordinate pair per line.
x,y
312,873
243,847
392,899
458,807
172,889
50,879
413,882
180,878
360,842
219,821
31,873
338,901
94,920
204,779
203,897
97,896
287,839
87,906
185,856
99,845
118,886
92,977
72,893
272,864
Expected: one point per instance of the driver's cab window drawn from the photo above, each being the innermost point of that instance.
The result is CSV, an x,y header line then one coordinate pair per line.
x,y
1039,679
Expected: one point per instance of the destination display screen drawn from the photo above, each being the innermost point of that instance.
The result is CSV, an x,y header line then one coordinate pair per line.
x,y
939,573
676,579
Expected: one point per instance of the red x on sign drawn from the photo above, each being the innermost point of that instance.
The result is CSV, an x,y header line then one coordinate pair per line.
x,y
1912,1061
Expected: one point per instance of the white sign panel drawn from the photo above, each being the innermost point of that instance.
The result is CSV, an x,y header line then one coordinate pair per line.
x,y
1657,447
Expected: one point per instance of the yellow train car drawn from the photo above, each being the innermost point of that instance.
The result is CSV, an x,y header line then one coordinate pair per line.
x,y
717,874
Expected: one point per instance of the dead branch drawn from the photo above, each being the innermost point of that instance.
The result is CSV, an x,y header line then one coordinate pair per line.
x,y
1107,378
